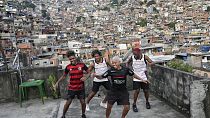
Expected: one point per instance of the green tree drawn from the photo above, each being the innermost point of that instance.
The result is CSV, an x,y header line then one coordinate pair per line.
x,y
105,8
208,9
151,2
180,65
44,13
142,22
27,4
123,2
115,2
79,18
145,1
141,3
172,25
155,10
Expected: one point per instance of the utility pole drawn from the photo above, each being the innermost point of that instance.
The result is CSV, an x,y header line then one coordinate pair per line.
x,y
3,55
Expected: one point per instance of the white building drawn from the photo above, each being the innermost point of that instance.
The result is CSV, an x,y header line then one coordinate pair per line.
x,y
75,46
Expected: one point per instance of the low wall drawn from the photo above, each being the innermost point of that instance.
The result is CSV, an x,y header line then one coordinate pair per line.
x,y
9,82
41,73
8,86
183,91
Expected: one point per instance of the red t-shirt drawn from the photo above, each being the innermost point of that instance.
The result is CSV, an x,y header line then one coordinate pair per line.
x,y
75,74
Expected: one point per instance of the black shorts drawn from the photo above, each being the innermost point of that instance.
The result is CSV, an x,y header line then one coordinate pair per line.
x,y
121,97
80,94
96,85
142,85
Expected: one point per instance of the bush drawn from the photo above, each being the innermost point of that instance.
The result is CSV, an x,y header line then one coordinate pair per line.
x,y
180,65
172,25
142,22
51,81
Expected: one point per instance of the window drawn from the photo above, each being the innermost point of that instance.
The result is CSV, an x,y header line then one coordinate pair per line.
x,y
205,75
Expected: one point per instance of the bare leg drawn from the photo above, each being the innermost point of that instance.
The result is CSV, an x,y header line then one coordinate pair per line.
x,y
83,105
125,110
108,110
146,95
90,96
66,106
136,94
105,99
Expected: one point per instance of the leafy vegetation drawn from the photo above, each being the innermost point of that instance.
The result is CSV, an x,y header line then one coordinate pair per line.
x,y
172,25
155,10
114,3
26,4
208,9
180,65
51,81
44,13
141,3
142,22
151,2
79,19
123,2
105,8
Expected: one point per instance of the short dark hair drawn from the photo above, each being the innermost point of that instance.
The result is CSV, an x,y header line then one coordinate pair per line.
x,y
96,52
70,53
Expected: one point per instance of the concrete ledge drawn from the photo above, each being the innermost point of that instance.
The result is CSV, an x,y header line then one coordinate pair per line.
x,y
183,91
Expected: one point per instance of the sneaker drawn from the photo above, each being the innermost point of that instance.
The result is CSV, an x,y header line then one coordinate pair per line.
x,y
103,105
148,105
87,107
83,116
135,109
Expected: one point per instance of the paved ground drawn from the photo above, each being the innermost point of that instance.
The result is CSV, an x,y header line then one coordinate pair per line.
x,y
30,109
53,109
158,110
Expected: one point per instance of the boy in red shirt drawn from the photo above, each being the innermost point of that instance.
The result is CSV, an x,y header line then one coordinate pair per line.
x,y
76,84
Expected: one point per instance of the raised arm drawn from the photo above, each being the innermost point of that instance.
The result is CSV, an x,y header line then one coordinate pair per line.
x,y
107,57
149,61
129,62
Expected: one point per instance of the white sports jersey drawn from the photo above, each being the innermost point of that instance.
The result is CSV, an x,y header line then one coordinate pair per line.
x,y
100,68
139,68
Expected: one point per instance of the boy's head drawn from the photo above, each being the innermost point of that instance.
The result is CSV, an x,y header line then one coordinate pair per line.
x,y
96,54
116,61
136,52
71,55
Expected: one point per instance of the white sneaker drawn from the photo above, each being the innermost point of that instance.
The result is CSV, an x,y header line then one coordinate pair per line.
x,y
87,107
103,105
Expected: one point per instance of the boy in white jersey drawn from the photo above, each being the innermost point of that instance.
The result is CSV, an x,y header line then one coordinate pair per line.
x,y
100,66
139,63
